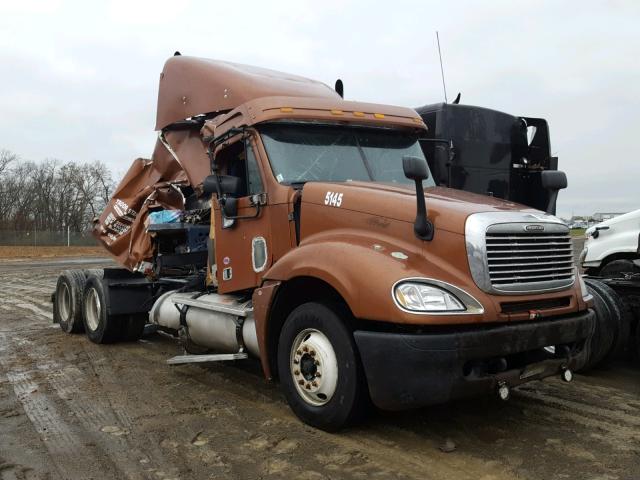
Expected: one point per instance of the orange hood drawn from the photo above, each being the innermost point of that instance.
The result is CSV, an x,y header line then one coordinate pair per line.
x,y
447,208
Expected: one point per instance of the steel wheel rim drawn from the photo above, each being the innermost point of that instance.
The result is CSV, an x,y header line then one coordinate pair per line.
x,y
65,303
93,309
314,367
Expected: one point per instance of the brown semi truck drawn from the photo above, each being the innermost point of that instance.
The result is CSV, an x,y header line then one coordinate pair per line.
x,y
277,220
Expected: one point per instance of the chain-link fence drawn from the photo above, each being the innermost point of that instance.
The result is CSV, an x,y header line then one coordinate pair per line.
x,y
46,238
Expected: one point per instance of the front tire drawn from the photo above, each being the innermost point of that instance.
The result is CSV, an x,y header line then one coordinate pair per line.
x,y
320,369
617,268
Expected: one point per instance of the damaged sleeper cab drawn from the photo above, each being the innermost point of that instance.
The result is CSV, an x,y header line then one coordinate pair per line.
x,y
330,254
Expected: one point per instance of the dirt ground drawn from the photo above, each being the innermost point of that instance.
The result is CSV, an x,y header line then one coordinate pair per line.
x,y
74,410
11,252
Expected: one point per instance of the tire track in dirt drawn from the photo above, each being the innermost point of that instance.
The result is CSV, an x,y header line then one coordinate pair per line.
x,y
33,308
108,429
369,452
62,441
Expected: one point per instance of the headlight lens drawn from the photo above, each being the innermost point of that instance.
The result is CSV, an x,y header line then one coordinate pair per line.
x,y
419,297
583,255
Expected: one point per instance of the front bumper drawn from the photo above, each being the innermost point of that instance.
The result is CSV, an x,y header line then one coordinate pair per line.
x,y
406,370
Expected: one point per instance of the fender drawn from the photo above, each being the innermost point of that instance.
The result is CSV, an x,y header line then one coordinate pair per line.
x,y
363,270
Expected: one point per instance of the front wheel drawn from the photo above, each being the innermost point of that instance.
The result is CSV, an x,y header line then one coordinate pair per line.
x,y
320,369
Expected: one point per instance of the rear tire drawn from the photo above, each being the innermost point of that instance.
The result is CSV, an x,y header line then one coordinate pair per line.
x,y
620,323
637,345
601,341
67,301
99,326
319,368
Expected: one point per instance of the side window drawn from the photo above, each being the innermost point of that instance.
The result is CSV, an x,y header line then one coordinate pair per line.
x,y
253,172
231,160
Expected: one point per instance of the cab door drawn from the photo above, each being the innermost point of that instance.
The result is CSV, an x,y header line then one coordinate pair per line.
x,y
242,244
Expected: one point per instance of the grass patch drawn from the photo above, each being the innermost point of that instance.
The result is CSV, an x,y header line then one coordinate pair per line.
x,y
10,252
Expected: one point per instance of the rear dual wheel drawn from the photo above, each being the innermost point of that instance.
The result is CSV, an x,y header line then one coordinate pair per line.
x,y
100,326
67,301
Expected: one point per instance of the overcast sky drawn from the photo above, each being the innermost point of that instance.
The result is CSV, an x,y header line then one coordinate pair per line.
x,y
78,80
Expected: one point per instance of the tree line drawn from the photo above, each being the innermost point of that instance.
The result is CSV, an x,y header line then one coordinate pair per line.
x,y
51,195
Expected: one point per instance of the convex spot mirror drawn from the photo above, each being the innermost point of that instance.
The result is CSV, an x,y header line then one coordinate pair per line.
x,y
553,180
227,184
229,207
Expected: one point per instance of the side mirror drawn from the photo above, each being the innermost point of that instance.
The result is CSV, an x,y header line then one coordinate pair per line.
x,y
222,184
416,169
554,181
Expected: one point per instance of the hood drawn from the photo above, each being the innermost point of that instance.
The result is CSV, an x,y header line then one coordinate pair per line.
x,y
447,208
632,218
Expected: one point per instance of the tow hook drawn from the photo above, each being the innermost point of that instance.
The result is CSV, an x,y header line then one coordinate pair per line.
x,y
503,391
566,375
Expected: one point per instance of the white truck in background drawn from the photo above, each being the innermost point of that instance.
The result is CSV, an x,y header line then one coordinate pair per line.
x,y
613,246
611,256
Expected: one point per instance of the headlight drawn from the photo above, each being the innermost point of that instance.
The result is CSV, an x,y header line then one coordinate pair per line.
x,y
583,255
419,297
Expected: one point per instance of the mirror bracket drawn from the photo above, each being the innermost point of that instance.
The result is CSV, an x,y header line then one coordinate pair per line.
x,y
416,169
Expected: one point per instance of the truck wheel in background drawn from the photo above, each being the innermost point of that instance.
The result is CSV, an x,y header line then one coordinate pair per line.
x,y
602,339
319,368
99,272
620,324
637,345
617,267
67,301
132,327
99,326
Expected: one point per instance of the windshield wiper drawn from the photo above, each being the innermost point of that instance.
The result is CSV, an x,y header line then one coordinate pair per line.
x,y
364,158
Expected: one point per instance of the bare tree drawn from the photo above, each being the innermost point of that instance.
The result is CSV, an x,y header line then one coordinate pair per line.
x,y
6,157
51,195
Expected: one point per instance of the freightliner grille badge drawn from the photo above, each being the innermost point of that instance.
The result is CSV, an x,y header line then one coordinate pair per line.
x,y
534,228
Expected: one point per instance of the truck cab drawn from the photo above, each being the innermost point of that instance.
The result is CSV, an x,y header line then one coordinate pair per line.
x,y
333,255
613,246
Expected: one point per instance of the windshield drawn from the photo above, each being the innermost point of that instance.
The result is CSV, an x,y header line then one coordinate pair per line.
x,y
304,153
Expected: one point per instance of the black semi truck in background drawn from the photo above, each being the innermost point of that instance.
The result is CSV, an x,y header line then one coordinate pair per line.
x,y
488,152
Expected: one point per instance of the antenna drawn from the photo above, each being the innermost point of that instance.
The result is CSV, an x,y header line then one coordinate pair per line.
x,y
444,86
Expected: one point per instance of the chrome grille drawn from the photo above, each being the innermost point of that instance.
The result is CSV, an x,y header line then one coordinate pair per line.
x,y
519,260
512,253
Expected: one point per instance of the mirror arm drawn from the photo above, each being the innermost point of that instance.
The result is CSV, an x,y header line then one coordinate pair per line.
x,y
553,198
423,228
241,217
256,201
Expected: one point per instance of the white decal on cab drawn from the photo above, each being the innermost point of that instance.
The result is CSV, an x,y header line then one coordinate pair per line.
x,y
333,198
